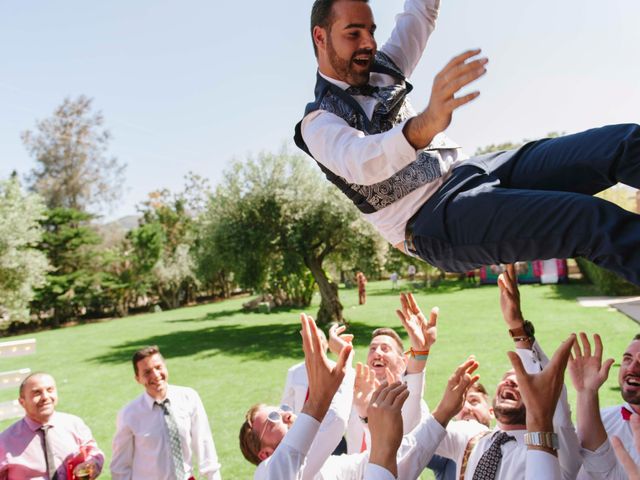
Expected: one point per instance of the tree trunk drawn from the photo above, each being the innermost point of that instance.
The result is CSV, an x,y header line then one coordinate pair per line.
x,y
330,306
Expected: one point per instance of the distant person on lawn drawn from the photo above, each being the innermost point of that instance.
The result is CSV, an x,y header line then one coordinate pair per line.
x,y
362,288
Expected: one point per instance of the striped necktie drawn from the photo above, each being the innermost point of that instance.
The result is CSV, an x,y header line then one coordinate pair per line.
x,y
174,439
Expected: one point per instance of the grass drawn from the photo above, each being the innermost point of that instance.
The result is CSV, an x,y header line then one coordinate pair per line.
x,y
234,359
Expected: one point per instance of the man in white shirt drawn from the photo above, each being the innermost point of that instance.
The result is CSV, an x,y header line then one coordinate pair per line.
x,y
467,442
596,427
163,434
412,183
285,447
386,356
631,467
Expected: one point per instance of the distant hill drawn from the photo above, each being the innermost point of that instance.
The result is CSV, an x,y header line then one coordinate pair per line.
x,y
113,232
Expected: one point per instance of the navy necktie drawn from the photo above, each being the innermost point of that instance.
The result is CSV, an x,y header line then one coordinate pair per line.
x,y
487,466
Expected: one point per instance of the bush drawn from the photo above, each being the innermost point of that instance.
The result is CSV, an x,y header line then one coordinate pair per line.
x,y
607,282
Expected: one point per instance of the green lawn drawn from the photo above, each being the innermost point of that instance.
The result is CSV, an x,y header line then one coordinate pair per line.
x,y
234,359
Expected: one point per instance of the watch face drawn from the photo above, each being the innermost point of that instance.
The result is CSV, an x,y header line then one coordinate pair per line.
x,y
528,328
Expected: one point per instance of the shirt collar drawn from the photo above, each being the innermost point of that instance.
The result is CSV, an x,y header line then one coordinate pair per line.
x,y
149,401
34,426
517,434
337,83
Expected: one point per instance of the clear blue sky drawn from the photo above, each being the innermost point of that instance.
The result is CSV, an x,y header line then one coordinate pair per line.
x,y
190,85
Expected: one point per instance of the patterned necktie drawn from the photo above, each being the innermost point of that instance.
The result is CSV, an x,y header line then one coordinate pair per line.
x,y
488,465
390,100
48,453
174,439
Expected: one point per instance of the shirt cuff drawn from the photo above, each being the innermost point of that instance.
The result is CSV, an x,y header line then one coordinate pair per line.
x,y
603,460
541,464
302,433
376,472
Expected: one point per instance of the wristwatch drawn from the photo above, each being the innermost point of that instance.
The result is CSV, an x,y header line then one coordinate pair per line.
x,y
541,439
523,333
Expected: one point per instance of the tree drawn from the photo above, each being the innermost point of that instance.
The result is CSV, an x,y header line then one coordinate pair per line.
x,y
174,279
73,169
22,266
277,225
71,246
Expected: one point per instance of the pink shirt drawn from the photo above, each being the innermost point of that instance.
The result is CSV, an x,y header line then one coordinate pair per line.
x,y
21,448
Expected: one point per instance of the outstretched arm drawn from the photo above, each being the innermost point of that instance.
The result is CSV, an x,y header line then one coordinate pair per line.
x,y
422,332
297,457
409,37
385,424
457,74
540,394
418,447
588,373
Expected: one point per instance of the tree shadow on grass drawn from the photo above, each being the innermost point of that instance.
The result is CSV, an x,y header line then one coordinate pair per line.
x,y
226,314
222,314
256,342
253,342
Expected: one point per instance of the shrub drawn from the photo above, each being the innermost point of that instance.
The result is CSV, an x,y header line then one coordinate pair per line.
x,y
607,282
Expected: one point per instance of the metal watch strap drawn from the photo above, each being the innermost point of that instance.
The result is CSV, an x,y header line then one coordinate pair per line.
x,y
541,439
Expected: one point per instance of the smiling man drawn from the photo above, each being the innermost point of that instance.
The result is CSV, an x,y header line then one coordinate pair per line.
x,y
386,358
476,406
416,187
42,444
161,433
596,427
472,445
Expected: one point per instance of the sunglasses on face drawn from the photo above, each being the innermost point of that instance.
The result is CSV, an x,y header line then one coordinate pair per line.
x,y
275,416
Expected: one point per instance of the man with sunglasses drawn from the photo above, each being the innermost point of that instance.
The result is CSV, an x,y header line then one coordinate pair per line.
x,y
285,447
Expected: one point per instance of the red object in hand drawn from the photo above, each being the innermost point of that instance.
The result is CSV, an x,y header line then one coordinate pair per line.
x,y
75,461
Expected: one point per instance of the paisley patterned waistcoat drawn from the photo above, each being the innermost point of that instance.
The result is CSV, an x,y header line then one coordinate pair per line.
x,y
391,111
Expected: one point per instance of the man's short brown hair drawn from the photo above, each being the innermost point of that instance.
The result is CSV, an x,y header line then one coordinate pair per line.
x,y
389,332
144,353
322,16
480,388
249,441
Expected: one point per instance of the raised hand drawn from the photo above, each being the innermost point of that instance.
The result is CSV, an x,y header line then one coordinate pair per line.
x,y
422,333
385,424
337,339
541,391
586,370
632,469
457,74
456,391
324,378
510,297
364,386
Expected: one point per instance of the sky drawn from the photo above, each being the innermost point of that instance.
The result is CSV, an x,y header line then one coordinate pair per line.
x,y
191,85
